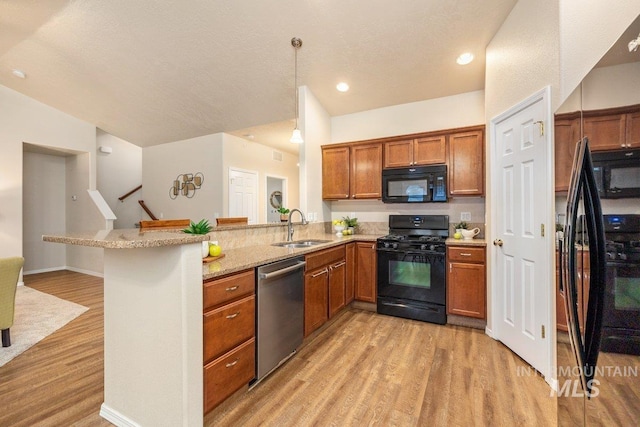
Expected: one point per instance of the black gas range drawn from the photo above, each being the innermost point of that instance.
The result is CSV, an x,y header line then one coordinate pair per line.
x,y
411,268
621,314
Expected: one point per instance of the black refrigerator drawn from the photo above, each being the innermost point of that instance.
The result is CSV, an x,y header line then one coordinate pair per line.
x,y
595,388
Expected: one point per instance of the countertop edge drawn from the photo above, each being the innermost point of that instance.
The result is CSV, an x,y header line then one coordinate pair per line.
x,y
116,240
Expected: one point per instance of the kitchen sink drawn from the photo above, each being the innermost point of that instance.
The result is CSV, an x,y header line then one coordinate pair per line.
x,y
300,243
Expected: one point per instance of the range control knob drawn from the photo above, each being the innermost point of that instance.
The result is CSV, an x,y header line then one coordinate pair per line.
x,y
424,247
395,246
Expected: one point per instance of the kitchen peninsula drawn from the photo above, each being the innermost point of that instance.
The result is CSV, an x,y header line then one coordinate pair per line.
x,y
153,330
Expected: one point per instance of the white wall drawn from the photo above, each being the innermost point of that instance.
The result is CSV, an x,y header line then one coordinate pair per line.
x,y
252,156
117,174
588,28
26,120
44,200
316,125
612,86
434,114
161,164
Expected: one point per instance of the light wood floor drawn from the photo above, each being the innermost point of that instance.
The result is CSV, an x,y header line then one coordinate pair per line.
x,y
365,369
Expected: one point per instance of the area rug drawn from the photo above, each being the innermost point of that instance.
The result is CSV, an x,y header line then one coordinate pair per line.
x,y
37,315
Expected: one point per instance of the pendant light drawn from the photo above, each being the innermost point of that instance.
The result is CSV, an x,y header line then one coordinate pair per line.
x,y
296,136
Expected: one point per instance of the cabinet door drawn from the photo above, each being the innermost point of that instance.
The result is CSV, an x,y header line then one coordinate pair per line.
x,y
351,272
566,136
335,173
366,271
315,300
337,277
466,294
633,130
466,164
606,132
366,171
561,314
398,153
430,151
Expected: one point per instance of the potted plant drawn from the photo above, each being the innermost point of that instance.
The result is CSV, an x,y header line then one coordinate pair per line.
x,y
284,213
350,224
201,227
461,226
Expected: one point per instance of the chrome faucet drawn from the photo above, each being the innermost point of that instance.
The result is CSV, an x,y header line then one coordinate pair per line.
x,y
290,225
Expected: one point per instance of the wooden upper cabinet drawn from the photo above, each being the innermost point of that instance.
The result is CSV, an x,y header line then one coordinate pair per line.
x,y
366,171
466,163
567,133
606,132
398,154
415,152
633,130
335,172
430,151
352,171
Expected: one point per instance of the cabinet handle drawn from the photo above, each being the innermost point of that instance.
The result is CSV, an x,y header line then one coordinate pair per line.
x,y
325,271
228,365
234,315
232,288
340,264
464,254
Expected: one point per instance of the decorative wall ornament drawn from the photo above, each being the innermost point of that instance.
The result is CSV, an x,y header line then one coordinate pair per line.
x,y
186,184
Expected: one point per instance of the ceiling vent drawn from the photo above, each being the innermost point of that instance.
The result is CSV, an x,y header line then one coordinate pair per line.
x,y
276,155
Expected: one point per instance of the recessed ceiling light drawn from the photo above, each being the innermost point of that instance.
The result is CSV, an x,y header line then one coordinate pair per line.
x,y
248,136
19,73
465,58
342,87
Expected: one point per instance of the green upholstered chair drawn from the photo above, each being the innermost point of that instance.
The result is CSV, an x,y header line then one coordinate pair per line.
x,y
9,274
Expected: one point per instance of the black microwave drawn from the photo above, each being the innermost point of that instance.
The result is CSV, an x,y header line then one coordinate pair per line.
x,y
415,185
617,173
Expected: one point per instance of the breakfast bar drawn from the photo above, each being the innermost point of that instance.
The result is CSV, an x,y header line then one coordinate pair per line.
x,y
152,325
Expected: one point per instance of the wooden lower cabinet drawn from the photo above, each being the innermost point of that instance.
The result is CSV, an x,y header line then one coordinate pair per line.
x,y
350,256
229,373
466,281
228,336
316,304
324,286
337,287
365,271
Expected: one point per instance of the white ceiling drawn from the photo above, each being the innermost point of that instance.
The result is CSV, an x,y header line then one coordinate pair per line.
x,y
154,72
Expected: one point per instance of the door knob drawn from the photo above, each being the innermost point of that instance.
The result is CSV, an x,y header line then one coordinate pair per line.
x,y
498,242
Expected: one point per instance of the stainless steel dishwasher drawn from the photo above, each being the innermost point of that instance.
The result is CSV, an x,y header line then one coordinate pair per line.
x,y
280,319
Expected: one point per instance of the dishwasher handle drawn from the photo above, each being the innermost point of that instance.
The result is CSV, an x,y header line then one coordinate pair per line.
x,y
285,270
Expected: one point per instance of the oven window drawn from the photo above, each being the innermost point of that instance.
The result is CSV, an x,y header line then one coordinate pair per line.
x,y
415,189
407,273
627,293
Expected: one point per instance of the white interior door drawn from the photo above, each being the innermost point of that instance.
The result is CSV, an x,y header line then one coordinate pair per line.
x,y
243,194
520,206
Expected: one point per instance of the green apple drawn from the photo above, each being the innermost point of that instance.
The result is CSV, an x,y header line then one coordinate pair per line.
x,y
215,250
457,236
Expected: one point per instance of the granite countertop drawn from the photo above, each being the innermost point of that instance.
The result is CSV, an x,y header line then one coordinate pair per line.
x,y
253,256
126,238
462,242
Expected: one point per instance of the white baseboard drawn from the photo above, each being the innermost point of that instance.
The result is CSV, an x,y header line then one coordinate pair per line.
x,y
489,332
20,283
43,270
65,267
88,272
115,417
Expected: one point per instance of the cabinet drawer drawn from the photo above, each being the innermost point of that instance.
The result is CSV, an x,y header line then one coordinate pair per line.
x,y
465,254
324,257
220,291
228,326
228,374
